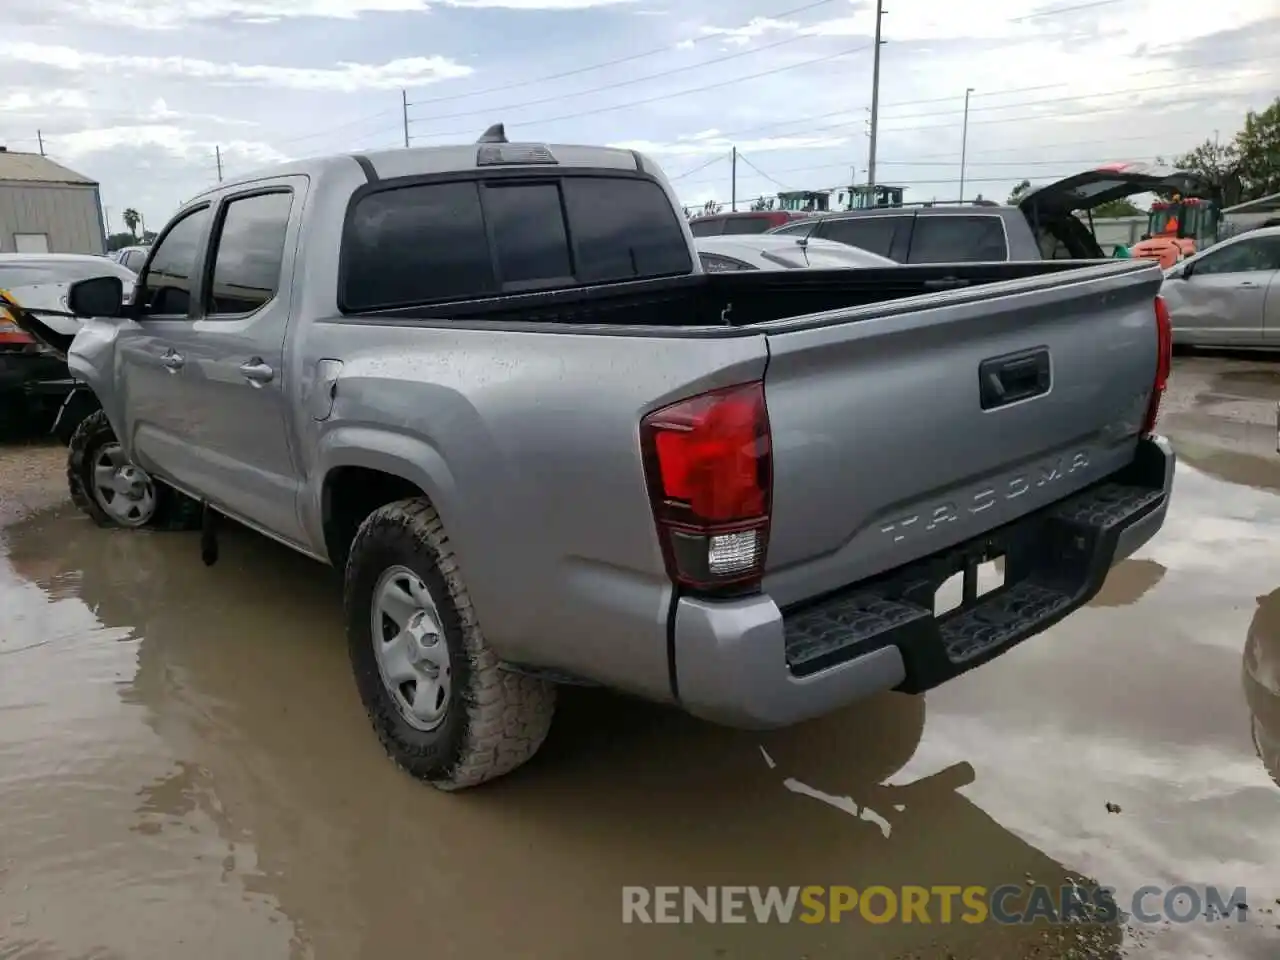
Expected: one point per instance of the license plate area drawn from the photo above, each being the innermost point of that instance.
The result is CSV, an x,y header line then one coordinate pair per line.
x,y
964,589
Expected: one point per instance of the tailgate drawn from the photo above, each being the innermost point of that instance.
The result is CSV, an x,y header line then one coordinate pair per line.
x,y
904,428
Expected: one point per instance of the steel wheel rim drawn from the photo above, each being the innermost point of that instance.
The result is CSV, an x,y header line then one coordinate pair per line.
x,y
410,648
126,493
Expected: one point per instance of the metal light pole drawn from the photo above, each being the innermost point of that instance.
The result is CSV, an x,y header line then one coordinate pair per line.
x,y
875,108
964,140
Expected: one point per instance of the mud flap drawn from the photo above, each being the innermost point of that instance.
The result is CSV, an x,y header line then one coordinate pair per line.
x,y
208,534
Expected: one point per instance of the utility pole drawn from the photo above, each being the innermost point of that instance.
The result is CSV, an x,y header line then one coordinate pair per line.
x,y
404,106
733,181
40,140
964,140
217,155
875,107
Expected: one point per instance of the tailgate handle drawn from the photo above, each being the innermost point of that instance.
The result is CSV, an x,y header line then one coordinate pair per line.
x,y
1016,376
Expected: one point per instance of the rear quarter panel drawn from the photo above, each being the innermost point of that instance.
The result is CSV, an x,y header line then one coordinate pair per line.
x,y
528,445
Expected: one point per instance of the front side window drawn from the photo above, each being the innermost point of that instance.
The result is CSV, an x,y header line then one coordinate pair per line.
x,y
1260,254
249,253
875,234
165,289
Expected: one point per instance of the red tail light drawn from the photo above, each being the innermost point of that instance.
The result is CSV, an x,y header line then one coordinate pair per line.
x,y
709,465
10,332
1164,362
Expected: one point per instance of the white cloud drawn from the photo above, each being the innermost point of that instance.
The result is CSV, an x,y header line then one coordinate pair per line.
x,y
176,141
33,101
170,14
753,29
709,145
405,72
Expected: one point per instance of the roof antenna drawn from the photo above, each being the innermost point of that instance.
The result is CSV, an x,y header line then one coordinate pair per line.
x,y
495,134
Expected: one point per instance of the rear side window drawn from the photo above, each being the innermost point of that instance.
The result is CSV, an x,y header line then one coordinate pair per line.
x,y
875,234
249,253
707,227
958,239
454,241
747,225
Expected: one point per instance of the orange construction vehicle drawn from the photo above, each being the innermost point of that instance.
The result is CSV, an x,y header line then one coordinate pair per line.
x,y
1177,228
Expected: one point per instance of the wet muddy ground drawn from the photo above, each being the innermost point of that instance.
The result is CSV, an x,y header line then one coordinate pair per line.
x,y
186,771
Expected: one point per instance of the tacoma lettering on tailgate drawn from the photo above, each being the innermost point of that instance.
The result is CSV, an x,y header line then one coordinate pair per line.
x,y
1010,488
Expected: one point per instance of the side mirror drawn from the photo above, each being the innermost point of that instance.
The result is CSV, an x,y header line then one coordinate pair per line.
x,y
96,297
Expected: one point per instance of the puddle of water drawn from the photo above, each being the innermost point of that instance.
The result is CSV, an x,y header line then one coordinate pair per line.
x,y
185,768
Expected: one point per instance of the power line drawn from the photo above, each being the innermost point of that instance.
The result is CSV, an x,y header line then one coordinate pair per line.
x,y
778,183
519,84
907,103
620,83
1058,10
701,166
666,96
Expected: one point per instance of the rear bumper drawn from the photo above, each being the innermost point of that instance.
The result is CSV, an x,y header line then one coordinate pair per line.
x,y
745,663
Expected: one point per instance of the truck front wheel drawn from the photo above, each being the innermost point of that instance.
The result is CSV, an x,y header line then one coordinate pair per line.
x,y
438,698
114,492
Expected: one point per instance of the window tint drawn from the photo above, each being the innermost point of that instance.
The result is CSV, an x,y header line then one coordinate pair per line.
x,y
250,250
957,239
417,244
167,285
875,234
623,229
528,231
707,226
1261,254
427,243
747,225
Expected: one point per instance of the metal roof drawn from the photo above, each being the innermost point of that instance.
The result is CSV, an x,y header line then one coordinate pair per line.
x,y
1267,204
32,168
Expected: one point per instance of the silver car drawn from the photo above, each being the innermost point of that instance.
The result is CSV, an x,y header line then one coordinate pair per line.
x,y
781,252
1229,294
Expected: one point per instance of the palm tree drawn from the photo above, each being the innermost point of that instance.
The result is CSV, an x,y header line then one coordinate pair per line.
x,y
131,219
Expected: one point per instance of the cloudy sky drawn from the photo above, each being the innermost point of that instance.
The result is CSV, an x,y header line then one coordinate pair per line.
x,y
138,93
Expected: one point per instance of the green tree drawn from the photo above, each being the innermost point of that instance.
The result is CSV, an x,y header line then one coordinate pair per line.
x,y
1217,163
1258,146
131,219
1018,192
1117,208
118,240
763,203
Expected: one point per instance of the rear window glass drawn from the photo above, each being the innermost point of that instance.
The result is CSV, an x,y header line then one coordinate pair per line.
x,y
958,239
417,244
623,230
747,225
428,242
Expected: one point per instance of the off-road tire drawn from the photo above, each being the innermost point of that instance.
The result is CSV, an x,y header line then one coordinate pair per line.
x,y
174,510
496,719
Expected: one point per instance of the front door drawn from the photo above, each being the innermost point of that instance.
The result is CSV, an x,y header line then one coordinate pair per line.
x,y
235,363
1222,301
157,420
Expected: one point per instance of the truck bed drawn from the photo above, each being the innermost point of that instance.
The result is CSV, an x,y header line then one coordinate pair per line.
x,y
737,299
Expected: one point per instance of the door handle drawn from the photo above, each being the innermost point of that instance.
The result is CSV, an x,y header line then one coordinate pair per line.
x,y
1248,283
173,360
256,371
1013,377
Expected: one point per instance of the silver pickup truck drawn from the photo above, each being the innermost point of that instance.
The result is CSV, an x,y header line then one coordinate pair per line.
x,y
491,384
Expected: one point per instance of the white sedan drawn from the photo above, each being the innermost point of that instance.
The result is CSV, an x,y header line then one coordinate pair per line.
x,y
765,251
1228,295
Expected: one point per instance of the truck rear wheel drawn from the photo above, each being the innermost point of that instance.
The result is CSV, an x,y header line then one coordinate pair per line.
x,y
439,700
114,492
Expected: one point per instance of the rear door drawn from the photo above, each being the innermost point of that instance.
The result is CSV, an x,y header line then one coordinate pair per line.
x,y
1223,300
888,235
890,444
240,455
